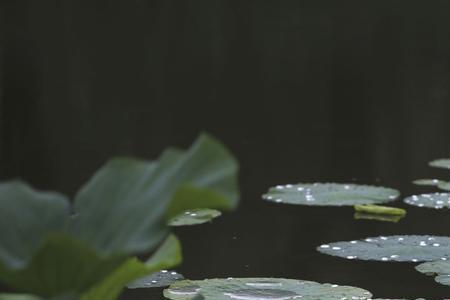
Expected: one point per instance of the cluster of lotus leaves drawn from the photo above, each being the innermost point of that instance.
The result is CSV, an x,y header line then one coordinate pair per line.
x,y
125,209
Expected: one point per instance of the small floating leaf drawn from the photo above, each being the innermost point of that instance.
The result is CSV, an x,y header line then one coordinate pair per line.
x,y
194,217
439,268
435,200
443,185
262,289
330,194
430,182
406,248
377,217
159,279
440,163
18,297
381,210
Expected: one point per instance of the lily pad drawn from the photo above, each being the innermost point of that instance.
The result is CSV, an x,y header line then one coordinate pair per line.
x,y
441,184
262,289
440,163
439,268
159,279
194,217
330,194
434,200
398,248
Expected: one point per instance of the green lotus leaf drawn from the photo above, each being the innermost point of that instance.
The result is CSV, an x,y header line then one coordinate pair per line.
x,y
194,217
434,200
27,216
440,163
159,279
261,288
330,194
168,255
62,265
398,248
439,268
143,195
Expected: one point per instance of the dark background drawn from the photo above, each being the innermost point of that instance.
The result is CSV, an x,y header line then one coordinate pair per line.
x,y
318,90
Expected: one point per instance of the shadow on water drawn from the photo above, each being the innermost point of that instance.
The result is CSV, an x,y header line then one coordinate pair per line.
x,y
299,90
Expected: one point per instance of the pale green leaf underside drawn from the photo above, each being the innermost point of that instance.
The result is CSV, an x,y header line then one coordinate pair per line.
x,y
441,269
330,194
261,288
440,163
434,200
398,248
27,216
194,217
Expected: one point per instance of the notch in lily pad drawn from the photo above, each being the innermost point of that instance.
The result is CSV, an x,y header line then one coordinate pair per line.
x,y
440,269
261,288
397,248
330,194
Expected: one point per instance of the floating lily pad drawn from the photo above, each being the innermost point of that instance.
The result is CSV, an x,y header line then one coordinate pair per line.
x,y
400,248
330,194
440,163
429,182
435,200
159,279
194,217
439,268
381,210
377,217
441,184
262,289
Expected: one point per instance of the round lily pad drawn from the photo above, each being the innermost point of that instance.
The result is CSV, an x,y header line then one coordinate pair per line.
x,y
439,268
194,217
398,248
262,289
435,200
159,279
330,194
440,163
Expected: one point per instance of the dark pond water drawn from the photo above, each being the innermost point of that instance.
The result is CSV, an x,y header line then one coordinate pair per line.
x,y
342,91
